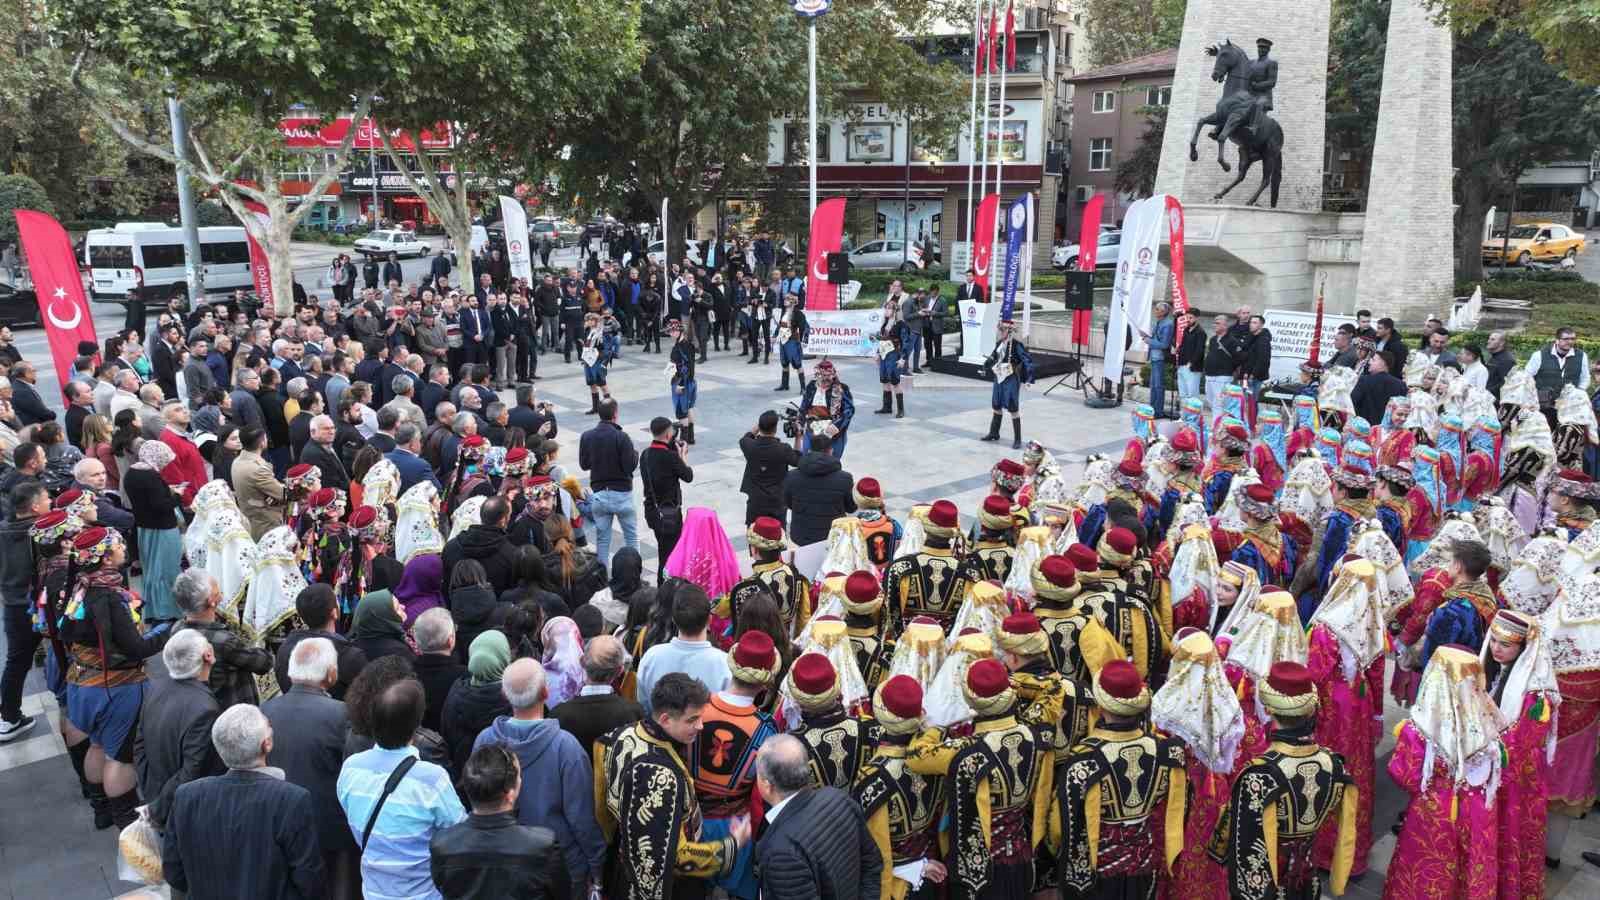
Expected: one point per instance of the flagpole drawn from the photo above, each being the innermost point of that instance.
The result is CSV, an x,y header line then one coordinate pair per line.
x,y
972,117
1000,142
983,135
811,141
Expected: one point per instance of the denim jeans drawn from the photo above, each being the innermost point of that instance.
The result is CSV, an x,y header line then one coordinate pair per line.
x,y
1190,383
1214,386
613,505
836,448
911,356
1158,386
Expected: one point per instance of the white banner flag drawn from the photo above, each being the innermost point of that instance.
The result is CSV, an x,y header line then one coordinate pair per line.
x,y
1137,267
514,218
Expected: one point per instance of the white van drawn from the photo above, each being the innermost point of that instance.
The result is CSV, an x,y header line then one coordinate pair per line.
x,y
149,256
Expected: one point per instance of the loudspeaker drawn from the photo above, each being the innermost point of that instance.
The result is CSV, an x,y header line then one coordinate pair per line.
x,y
838,268
1080,290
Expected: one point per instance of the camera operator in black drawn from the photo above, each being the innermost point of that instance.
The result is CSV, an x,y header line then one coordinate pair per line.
x,y
767,459
664,469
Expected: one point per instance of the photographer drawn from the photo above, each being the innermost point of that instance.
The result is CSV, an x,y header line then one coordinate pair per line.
x,y
766,461
663,467
532,416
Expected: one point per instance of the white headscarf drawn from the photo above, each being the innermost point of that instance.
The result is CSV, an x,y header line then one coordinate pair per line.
x,y
1351,613
847,547
914,536
212,497
1532,672
1270,634
1198,705
1372,544
1531,584
919,653
984,608
468,514
1096,481
416,529
1033,544
1501,532
1194,559
1456,527
945,704
230,555
1457,721
276,583
1229,517
381,486
829,638
1572,626
1308,490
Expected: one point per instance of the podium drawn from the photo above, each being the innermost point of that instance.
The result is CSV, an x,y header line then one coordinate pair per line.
x,y
978,323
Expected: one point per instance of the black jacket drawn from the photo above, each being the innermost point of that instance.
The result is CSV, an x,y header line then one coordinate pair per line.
x,y
30,409
1192,349
233,675
1373,392
819,847
16,562
488,545
352,659
529,420
277,424
473,608
1258,355
662,474
437,672
173,744
308,733
588,717
816,492
1223,355
767,460
607,454
1499,365
468,710
271,839
334,473
1396,346
492,856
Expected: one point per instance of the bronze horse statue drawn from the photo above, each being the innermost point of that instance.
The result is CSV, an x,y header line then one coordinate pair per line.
x,y
1239,118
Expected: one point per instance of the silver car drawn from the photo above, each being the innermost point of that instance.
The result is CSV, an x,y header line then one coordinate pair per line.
x,y
887,255
1065,256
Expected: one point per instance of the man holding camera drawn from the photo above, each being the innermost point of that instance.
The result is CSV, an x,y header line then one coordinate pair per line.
x,y
664,469
767,459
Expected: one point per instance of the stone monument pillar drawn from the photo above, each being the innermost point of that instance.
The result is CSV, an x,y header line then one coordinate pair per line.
x,y
1299,32
1408,246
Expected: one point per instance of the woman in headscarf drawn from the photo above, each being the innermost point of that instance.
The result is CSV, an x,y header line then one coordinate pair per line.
x,y
212,497
155,518
562,659
416,529
1522,681
627,572
475,700
420,587
1571,626
378,627
273,585
704,555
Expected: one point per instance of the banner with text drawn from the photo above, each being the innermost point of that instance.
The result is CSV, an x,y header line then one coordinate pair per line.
x,y
514,216
827,235
844,332
1137,267
1291,338
1016,236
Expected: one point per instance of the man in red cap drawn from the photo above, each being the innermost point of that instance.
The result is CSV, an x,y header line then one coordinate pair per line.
x,y
1119,593
864,621
772,575
1128,484
723,756
1263,547
903,808
1079,644
994,777
836,741
990,557
1124,781
928,583
1234,441
1283,798
880,532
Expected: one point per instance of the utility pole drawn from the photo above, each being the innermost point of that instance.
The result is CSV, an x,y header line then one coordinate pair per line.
x,y
194,265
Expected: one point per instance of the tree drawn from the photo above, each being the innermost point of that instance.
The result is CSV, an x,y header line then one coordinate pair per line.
x,y
19,192
562,55
696,120
1136,175
1123,29
1569,30
240,67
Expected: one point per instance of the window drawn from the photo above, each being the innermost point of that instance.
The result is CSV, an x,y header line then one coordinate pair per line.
x,y
162,256
794,143
225,254
1100,154
1158,96
1105,101
111,256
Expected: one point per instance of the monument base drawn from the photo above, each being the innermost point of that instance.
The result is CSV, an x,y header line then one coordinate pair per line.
x,y
1236,255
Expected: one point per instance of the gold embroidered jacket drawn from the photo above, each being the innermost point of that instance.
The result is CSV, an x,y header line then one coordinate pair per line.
x,y
784,582
874,651
924,584
837,743
1079,644
1114,599
903,810
988,561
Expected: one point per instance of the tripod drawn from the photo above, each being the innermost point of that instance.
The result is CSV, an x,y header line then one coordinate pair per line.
x,y
1074,378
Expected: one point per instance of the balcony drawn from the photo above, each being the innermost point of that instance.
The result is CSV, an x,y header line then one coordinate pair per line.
x,y
957,50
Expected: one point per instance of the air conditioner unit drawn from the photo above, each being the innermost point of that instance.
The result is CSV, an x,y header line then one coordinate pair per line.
x,y
1082,193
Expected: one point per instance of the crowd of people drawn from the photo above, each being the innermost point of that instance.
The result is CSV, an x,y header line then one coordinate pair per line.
x,y
384,640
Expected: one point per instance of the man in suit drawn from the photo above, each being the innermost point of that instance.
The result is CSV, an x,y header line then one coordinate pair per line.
x,y
529,416
260,495
1376,388
598,709
246,410
477,330
767,460
319,452
164,360
1389,339
816,841
434,391
173,744
25,399
406,457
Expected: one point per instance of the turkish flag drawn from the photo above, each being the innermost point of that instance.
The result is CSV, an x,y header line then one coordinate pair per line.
x,y
1011,38
994,35
983,238
827,235
62,306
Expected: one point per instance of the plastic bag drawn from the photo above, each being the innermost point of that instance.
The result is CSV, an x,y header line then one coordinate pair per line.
x,y
139,856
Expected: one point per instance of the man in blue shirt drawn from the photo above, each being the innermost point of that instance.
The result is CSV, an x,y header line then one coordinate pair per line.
x,y
1160,341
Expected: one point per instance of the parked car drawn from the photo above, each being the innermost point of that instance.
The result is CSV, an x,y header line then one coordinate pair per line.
x,y
691,248
1536,242
887,255
1065,256
18,306
400,242
549,228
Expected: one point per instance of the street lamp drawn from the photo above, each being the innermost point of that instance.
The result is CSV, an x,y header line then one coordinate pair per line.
x,y
811,10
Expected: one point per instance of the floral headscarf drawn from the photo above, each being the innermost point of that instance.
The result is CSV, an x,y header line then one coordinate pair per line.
x,y
276,582
704,556
1197,704
563,660
417,527
1457,721
155,455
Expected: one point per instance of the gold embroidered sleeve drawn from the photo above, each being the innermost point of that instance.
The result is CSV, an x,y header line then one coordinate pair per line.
x,y
878,829
931,753
1345,851
1097,646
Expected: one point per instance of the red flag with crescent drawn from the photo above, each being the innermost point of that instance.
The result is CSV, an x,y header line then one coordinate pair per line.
x,y
983,235
59,288
827,235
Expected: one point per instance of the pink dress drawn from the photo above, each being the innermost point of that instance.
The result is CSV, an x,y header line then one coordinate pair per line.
x,y
1572,784
1194,875
1439,856
1348,723
1522,806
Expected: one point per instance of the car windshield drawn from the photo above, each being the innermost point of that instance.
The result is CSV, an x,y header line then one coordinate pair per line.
x,y
1525,233
379,235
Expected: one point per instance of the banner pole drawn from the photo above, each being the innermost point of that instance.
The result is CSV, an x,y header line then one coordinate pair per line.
x,y
972,119
983,137
811,141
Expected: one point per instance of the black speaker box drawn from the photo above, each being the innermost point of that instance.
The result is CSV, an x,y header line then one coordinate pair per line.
x,y
838,268
1080,290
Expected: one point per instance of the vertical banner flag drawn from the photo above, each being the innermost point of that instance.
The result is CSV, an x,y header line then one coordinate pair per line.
x,y
1180,294
1137,266
514,217
994,36
1016,235
260,269
982,49
666,242
1088,247
827,233
59,287
1011,37
983,242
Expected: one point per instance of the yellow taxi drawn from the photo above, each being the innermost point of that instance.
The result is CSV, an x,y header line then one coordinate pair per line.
x,y
1538,241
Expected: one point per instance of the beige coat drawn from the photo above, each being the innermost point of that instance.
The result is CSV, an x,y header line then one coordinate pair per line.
x,y
260,495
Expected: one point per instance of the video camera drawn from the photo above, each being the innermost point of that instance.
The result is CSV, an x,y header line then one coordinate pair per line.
x,y
791,421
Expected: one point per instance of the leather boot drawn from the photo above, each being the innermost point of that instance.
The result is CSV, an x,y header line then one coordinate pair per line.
x,y
899,406
994,428
802,374
76,753
1016,432
101,804
688,433
124,809
594,404
783,385
888,401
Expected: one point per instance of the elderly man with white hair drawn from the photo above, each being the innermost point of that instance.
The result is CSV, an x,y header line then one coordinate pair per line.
x,y
308,728
402,388
557,786
320,452
233,676
437,665
127,394
246,408
173,746
269,824
89,475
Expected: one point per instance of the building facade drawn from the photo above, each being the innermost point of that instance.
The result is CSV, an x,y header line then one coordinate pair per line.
x,y
1110,117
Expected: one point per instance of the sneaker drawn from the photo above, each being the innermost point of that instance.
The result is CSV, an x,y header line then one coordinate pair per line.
x,y
10,731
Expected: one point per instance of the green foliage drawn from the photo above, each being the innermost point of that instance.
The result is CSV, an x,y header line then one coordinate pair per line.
x,y
1568,29
1122,29
1355,70
1136,174
211,214
1556,300
19,192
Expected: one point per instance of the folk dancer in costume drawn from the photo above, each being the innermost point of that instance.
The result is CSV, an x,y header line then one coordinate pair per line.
x,y
300,482
1576,430
1184,457
329,545
1529,455
1346,663
1011,367
1122,603
1237,591
681,380
469,478
1185,568
1522,682
1395,442
1128,485
416,528
1464,611
1335,398
722,759
54,580
1574,503
1330,446
1269,455
826,403
1033,544
1528,586
1353,503
1232,404
651,814
1007,478
864,625
1144,433
1394,508
903,808
1079,645
1228,459
1480,474
1042,478
230,556
893,338
1572,626
792,334
1119,785
880,532
772,574
1192,415
1503,535
1197,706
1306,497
269,601
836,741
1305,416
1447,756
1426,497
1409,620
990,557
1270,634
994,777
512,481
919,652
1452,447
370,531
1228,525
846,550
928,583
600,347
1283,799
1264,548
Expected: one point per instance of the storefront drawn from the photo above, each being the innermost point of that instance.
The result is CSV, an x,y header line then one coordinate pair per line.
x,y
354,198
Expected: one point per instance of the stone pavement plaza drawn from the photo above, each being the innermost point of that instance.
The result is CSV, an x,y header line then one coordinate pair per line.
x,y
48,845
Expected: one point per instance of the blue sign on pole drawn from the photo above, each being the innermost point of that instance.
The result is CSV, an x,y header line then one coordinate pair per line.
x,y
1016,233
810,9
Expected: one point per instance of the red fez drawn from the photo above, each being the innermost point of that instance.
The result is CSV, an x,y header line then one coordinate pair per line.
x,y
49,520
363,517
1083,557
768,528
1130,468
473,440
1122,541
1059,570
516,455
1185,441
89,537
1573,475
299,470
1119,679
1260,493
755,651
1021,623
1291,679
1238,432
321,497
67,498
943,514
902,696
861,587
868,487
812,673
1009,467
996,505
988,678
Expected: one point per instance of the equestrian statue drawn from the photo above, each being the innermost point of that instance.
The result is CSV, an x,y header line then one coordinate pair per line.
x,y
1241,116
